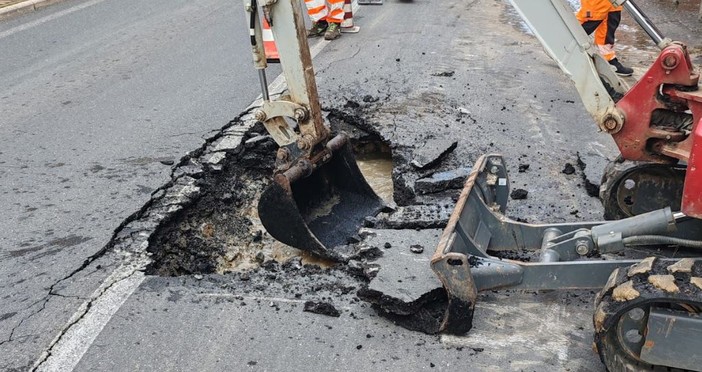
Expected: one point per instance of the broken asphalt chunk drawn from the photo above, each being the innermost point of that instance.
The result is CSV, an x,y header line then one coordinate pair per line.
x,y
404,276
323,308
417,217
518,194
440,181
568,169
432,152
405,289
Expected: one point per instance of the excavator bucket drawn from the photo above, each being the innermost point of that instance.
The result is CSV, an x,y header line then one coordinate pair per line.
x,y
319,198
320,213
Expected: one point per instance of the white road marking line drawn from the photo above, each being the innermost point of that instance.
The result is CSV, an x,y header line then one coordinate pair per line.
x,y
68,348
48,18
92,316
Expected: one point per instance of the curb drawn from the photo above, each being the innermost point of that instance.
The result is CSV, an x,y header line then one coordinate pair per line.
x,y
24,7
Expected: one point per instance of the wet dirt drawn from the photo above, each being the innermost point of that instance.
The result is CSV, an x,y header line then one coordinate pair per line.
x,y
220,231
216,232
664,282
625,292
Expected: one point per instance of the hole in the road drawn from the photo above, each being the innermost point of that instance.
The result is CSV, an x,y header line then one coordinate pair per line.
x,y
221,231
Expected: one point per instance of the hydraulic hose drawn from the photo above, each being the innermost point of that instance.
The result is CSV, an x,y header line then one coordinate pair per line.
x,y
252,22
255,47
661,240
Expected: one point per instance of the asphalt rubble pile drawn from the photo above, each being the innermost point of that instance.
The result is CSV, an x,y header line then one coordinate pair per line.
x,y
204,222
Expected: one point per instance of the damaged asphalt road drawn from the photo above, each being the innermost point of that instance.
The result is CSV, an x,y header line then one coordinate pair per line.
x,y
196,284
96,99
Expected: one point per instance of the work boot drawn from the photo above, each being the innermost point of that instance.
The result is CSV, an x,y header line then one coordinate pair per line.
x,y
317,29
333,31
620,69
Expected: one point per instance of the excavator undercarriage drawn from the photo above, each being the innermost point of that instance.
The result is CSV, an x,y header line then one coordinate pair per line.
x,y
658,290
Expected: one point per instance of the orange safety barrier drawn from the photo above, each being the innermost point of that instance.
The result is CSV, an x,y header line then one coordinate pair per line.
x,y
347,25
269,47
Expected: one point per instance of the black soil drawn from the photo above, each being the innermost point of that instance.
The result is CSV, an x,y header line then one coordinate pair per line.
x,y
196,237
518,194
218,228
324,308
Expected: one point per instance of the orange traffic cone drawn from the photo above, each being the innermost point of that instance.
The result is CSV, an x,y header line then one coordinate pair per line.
x,y
269,44
347,24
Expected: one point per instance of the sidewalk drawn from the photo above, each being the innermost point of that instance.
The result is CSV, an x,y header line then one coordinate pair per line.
x,y
10,8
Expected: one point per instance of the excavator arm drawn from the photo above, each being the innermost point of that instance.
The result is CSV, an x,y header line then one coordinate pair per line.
x,y
318,198
564,39
653,123
301,104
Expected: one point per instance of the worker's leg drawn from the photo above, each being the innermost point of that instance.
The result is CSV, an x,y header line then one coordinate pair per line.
x,y
604,35
604,39
590,26
318,12
335,17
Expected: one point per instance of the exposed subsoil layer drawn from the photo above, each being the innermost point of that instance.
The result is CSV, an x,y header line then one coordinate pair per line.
x,y
219,230
196,238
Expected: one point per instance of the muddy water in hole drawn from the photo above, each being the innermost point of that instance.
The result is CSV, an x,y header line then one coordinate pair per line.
x,y
377,169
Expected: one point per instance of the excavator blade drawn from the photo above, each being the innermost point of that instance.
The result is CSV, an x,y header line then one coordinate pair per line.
x,y
319,213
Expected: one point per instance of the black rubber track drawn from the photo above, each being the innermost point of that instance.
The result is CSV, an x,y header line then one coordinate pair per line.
x,y
608,310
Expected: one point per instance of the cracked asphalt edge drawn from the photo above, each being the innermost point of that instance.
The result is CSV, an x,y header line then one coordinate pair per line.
x,y
131,240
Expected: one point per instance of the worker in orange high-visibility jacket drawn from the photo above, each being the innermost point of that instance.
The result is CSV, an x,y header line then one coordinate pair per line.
x,y
603,18
326,16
